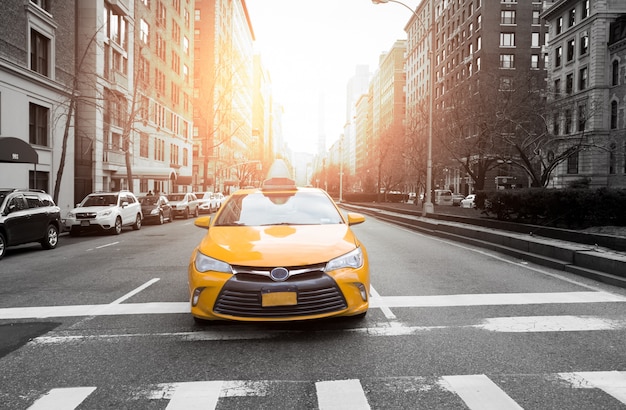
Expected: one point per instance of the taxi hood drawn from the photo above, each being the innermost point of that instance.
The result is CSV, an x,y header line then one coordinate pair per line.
x,y
283,245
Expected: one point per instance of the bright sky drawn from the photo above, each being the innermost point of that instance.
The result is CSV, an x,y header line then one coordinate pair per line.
x,y
311,49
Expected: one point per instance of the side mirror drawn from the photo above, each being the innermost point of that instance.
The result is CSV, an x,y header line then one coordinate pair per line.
x,y
124,204
355,219
203,222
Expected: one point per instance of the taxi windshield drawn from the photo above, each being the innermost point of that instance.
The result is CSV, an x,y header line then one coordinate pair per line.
x,y
279,208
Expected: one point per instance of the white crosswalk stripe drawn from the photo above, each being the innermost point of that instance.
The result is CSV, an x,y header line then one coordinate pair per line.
x,y
477,392
62,399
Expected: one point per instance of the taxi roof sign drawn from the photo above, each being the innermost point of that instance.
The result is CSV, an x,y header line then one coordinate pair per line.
x,y
279,177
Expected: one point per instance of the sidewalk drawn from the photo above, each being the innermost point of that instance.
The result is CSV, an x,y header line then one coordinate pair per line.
x,y
589,260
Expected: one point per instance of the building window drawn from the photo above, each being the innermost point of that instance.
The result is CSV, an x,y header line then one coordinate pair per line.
x,y
161,14
144,145
615,73
507,17
507,39
572,163
186,45
160,47
584,43
557,87
568,122
186,73
196,15
585,9
582,117
38,125
613,115
559,25
558,55
42,4
507,60
572,17
506,83
39,180
613,158
185,157
534,61
556,129
536,17
534,40
144,31
146,3
569,84
582,78
39,52
570,50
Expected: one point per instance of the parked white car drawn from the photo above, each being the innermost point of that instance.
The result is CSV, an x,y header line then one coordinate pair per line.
x,y
105,211
184,204
206,202
468,202
217,200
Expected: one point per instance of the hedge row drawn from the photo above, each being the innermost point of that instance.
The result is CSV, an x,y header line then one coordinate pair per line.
x,y
563,208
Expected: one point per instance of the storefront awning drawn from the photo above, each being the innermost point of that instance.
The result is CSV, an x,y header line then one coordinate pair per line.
x,y
159,173
18,151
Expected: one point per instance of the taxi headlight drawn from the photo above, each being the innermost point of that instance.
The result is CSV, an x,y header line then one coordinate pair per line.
x,y
352,259
70,214
205,263
106,213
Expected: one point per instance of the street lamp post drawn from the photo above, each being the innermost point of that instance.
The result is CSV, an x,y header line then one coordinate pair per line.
x,y
428,205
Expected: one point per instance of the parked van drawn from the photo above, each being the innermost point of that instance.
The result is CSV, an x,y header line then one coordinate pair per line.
x,y
443,197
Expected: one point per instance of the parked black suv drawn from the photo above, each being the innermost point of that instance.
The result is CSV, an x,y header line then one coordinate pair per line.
x,y
28,216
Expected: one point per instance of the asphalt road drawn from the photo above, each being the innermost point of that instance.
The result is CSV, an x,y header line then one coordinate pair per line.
x,y
101,322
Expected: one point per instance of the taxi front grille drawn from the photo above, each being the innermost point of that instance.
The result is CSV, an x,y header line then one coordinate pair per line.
x,y
316,294
86,215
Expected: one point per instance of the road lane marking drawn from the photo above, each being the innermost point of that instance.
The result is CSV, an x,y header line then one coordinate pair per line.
x,y
479,392
380,304
62,399
134,292
530,324
613,383
341,394
526,324
491,299
195,395
498,299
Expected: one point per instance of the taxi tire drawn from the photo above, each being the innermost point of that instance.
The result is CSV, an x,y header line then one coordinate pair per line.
x,y
196,213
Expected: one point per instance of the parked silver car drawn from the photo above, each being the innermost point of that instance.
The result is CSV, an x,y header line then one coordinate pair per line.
x,y
184,204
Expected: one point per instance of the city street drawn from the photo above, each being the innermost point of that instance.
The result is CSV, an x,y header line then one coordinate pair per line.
x,y
102,322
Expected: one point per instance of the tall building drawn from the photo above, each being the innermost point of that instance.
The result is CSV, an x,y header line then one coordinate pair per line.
x,y
587,83
36,81
476,48
134,67
379,124
224,147
163,39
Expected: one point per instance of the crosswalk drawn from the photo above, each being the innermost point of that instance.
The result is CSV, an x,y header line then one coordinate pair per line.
x,y
475,391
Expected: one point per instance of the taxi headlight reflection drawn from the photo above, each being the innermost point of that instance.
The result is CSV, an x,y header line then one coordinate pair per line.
x,y
352,259
205,263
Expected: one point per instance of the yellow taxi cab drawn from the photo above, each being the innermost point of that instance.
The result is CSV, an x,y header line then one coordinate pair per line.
x,y
278,253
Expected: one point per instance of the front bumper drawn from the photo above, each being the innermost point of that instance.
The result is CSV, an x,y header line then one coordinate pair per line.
x,y
253,297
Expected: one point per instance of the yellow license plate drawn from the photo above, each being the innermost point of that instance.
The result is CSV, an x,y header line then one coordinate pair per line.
x,y
279,299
